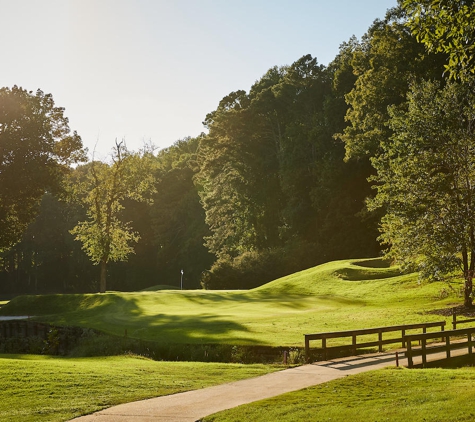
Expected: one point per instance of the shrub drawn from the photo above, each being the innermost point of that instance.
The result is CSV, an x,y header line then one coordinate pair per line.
x,y
253,269
32,345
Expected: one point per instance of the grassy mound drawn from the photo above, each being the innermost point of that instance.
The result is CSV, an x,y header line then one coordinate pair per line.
x,y
335,296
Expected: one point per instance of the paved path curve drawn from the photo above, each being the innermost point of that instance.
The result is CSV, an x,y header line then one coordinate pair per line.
x,y
193,405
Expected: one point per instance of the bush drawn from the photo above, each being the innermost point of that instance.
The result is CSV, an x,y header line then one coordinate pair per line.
x,y
31,345
253,269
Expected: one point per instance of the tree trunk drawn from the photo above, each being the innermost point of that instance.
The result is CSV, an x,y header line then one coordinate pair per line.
x,y
103,280
468,276
468,298
468,291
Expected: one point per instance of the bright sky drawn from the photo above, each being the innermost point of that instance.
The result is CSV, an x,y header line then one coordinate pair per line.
x,y
150,70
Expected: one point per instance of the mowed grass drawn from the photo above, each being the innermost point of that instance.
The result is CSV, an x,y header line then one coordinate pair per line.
x,y
42,388
339,295
395,395
335,296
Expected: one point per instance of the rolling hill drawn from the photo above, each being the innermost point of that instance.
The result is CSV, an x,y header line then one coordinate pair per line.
x,y
338,295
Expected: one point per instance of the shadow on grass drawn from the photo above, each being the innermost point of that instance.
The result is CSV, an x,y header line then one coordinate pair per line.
x,y
362,361
291,301
366,274
123,316
373,263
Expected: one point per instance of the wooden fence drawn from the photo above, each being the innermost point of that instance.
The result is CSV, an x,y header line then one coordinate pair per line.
x,y
22,328
460,321
55,340
454,340
354,346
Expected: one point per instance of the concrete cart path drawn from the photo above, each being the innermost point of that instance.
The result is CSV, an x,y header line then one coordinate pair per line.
x,y
193,405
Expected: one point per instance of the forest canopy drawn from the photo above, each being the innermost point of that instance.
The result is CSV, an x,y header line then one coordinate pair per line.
x,y
312,163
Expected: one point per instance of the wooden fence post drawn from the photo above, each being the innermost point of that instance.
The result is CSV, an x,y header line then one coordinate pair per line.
x,y
307,349
469,340
409,354
454,318
447,345
424,355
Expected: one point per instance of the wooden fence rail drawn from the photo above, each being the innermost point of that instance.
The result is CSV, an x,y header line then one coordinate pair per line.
x,y
352,348
21,328
56,340
460,321
452,342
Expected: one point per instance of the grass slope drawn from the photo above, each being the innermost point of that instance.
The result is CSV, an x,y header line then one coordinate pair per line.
x,y
42,388
396,395
335,296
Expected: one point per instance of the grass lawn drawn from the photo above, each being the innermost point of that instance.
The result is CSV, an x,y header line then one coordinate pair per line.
x,y
395,395
42,388
339,295
335,296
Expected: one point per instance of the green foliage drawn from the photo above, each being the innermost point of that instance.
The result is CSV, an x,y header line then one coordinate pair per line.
x,y
386,61
47,259
272,176
231,178
446,26
120,237
425,180
266,192
33,345
41,388
36,149
177,217
171,231
253,269
397,395
102,190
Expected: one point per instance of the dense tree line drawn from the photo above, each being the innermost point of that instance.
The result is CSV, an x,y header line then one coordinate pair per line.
x,y
279,183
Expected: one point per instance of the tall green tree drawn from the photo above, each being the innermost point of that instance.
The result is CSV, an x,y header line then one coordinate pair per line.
x,y
233,164
446,26
36,149
103,190
385,62
425,180
178,218
258,164
305,143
